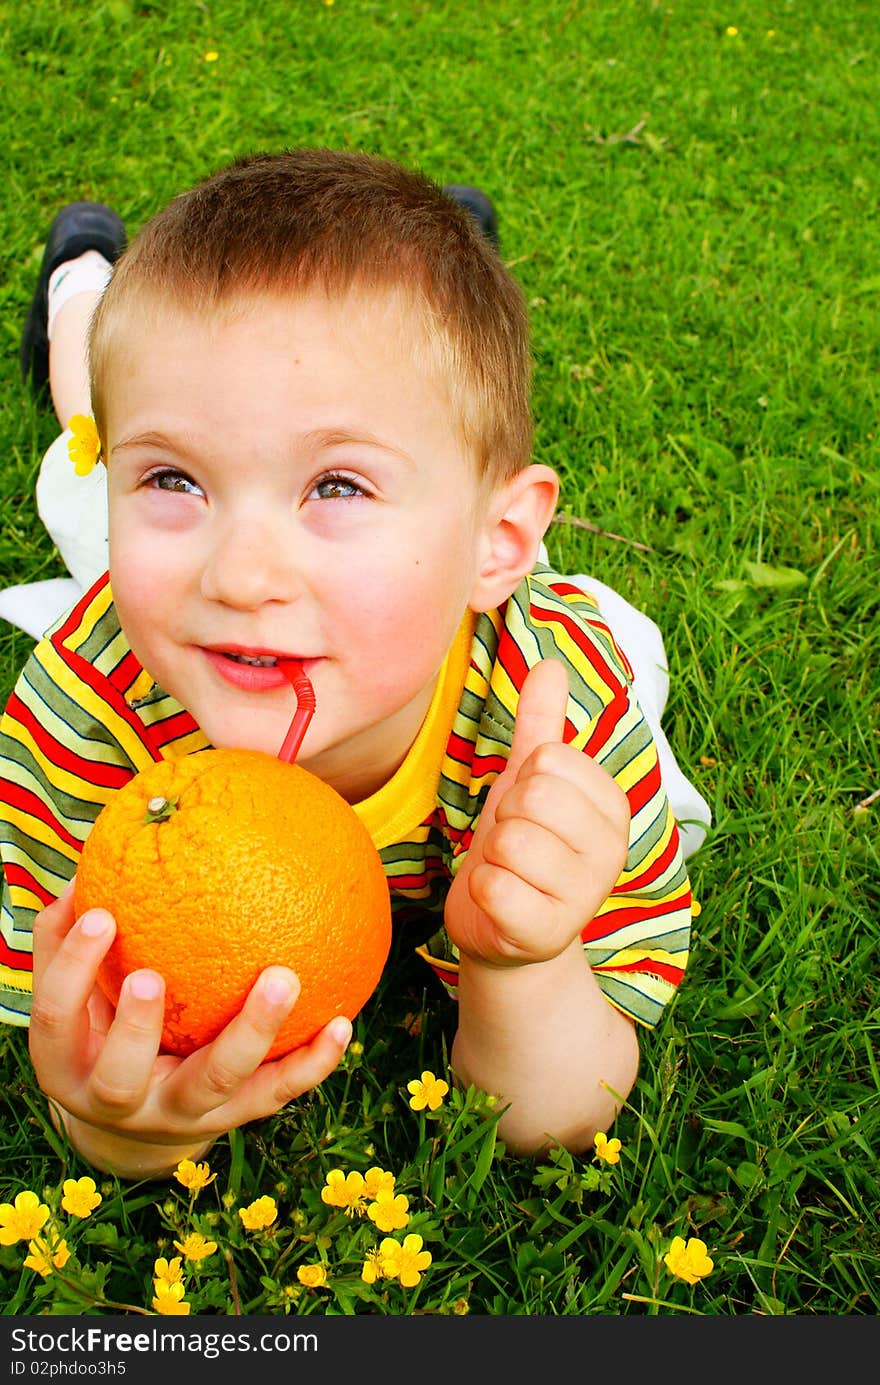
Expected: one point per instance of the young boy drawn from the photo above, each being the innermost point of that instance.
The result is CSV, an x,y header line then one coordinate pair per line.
x,y
310,377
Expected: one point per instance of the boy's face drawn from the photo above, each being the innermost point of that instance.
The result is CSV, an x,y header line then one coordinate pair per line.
x,y
285,480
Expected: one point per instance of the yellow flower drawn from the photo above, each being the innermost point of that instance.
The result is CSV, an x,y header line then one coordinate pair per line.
x,y
22,1221
45,1257
195,1246
81,1196
212,56
389,1210
345,1190
84,448
372,1267
195,1177
696,908
606,1149
313,1276
259,1214
731,31
429,1092
404,1262
375,1180
688,1262
168,1271
169,1300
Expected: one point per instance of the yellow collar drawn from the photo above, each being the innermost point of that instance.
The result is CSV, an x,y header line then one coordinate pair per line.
x,y
393,812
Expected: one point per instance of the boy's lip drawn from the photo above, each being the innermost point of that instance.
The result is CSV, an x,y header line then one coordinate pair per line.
x,y
253,677
247,651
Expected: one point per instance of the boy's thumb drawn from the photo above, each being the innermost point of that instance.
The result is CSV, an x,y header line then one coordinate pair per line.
x,y
540,714
540,717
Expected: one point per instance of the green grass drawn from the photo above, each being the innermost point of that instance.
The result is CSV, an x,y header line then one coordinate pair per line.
x,y
693,217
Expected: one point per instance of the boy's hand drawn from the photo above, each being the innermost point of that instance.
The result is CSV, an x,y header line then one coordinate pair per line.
x,y
550,843
104,1067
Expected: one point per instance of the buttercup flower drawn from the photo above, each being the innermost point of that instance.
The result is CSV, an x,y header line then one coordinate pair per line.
x,y
429,1091
195,1177
313,1276
168,1271
84,448
45,1257
372,1267
195,1246
375,1180
22,1220
389,1210
404,1262
81,1196
608,1150
345,1190
259,1214
169,1300
731,31
690,1261
212,56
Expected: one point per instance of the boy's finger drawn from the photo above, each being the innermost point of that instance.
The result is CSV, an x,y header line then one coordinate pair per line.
x,y
60,1023
308,1066
214,1074
540,717
540,714
51,926
122,1071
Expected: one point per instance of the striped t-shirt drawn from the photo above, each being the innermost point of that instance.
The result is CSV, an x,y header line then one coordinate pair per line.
x,y
85,717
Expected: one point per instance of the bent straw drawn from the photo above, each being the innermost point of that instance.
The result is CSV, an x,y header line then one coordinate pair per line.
x,y
305,708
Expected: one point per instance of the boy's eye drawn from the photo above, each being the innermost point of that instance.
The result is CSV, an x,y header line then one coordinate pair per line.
x,y
176,481
336,488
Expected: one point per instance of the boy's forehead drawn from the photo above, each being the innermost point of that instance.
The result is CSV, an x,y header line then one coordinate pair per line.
x,y
399,314
390,333
376,326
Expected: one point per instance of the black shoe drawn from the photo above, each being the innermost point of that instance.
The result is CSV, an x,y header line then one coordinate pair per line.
x,y
479,206
78,227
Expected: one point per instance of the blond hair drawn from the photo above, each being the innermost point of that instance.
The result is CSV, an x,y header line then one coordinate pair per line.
x,y
306,219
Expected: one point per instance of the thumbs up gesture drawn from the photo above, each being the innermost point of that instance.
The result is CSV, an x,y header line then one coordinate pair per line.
x,y
550,843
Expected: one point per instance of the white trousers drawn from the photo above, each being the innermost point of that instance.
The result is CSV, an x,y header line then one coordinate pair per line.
x,y
74,511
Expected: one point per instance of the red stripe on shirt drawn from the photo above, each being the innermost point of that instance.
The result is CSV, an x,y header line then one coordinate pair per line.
x,y
656,868
92,771
647,967
604,925
33,805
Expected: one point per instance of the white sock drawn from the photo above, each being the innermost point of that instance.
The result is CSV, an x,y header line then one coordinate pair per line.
x,y
88,273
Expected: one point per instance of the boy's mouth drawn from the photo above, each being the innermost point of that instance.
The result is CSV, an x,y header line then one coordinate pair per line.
x,y
257,660
256,670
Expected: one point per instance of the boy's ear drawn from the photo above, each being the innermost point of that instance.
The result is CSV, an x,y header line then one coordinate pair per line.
x,y
518,513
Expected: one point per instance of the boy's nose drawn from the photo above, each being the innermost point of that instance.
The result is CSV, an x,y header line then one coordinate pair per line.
x,y
249,564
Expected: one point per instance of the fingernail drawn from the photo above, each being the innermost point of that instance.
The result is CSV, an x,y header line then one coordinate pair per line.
x,y
94,923
144,985
340,1030
277,990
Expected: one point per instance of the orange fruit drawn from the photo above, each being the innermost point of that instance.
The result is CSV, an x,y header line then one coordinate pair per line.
x,y
221,863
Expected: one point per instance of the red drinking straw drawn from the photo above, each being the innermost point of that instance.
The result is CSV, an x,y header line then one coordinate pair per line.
x,y
305,708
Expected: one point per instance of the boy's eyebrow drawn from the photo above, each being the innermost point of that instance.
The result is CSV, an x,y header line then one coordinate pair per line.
x,y
316,437
340,437
148,439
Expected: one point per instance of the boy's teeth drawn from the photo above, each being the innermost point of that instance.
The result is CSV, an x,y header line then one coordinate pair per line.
x,y
261,660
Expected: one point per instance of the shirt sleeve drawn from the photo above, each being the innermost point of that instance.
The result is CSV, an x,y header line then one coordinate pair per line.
x,y
638,942
59,764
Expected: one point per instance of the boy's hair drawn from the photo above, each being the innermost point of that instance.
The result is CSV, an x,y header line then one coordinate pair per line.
x,y
307,219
